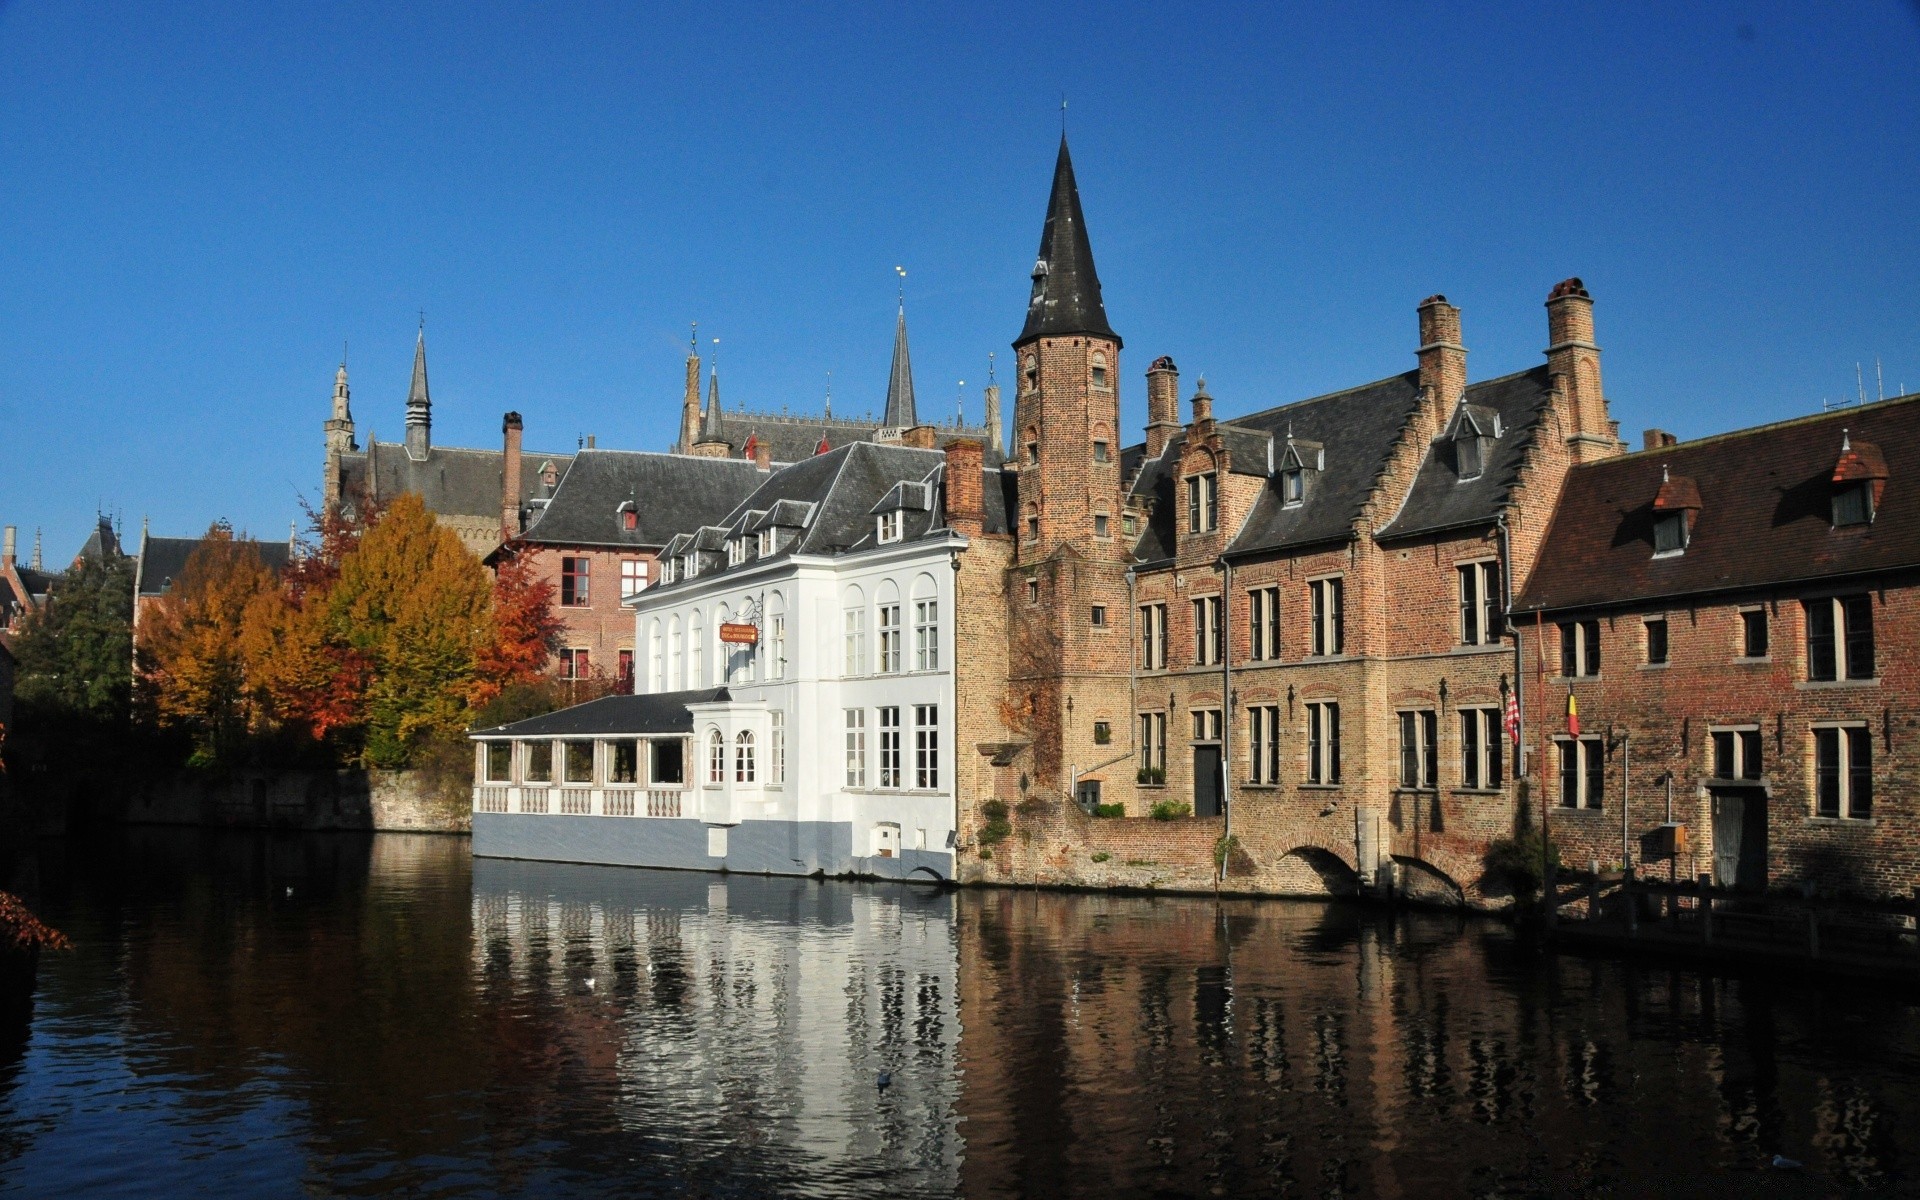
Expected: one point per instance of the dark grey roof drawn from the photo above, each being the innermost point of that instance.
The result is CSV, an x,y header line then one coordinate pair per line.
x,y
102,544
451,480
417,391
672,493
1066,290
1439,498
1155,486
632,716
711,427
899,413
164,559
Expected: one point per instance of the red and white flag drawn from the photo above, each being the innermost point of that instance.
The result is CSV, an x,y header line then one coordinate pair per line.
x,y
1513,717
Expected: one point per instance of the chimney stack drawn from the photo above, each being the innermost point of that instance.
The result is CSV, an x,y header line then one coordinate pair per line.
x,y
1573,371
510,487
995,436
966,496
920,437
763,456
1163,405
1657,439
11,549
1202,410
1443,359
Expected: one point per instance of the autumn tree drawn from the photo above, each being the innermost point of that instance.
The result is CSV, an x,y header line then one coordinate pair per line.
x,y
192,666
526,630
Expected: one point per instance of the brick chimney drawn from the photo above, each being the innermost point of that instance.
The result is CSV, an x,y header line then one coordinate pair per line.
x,y
1573,371
966,500
1657,439
1163,404
1443,359
510,484
1202,411
920,437
763,456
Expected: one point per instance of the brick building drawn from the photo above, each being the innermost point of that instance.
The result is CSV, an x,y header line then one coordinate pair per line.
x,y
1736,619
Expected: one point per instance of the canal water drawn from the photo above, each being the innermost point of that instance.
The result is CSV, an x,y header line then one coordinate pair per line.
x,y
350,1015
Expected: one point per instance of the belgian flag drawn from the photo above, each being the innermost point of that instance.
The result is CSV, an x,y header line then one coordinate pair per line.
x,y
1573,716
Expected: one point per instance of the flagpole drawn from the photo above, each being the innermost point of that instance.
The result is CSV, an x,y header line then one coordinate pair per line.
x,y
1546,743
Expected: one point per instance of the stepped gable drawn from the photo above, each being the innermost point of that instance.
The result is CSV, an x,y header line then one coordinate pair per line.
x,y
1440,499
1766,513
670,493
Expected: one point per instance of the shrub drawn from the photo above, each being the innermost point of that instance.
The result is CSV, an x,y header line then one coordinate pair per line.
x,y
1222,849
1151,775
1109,810
1170,810
1101,856
997,827
1518,861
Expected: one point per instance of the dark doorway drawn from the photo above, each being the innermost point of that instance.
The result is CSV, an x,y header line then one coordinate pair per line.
x,y
1207,784
1740,838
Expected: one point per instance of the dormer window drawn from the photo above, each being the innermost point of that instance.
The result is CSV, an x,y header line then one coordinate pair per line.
x,y
629,519
1674,509
1467,453
1853,504
736,551
1296,459
1099,369
766,542
1203,503
889,526
1670,533
666,570
1859,479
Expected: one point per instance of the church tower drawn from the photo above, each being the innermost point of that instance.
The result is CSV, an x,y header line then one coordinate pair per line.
x,y
690,399
340,441
419,406
712,440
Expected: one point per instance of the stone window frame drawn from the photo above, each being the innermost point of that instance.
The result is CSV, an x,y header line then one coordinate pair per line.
x,y
1153,635
1847,737
1263,744
1209,629
1850,642
1483,754
1592,749
1264,633
1420,751
1479,595
1327,609
1323,743
1153,744
1741,739
1580,658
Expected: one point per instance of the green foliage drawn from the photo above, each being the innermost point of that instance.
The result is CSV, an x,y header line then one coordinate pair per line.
x,y
1101,856
1154,776
519,701
1223,849
1109,810
997,828
76,655
1170,810
1519,861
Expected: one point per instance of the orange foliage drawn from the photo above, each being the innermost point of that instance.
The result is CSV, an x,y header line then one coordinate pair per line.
x,y
526,629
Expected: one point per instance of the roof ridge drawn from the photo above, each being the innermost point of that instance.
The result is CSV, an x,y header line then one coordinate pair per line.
x,y
1728,435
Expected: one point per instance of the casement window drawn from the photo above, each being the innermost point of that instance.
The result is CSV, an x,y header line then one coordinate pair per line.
x,y
777,750
777,646
666,570
1670,533
1467,456
1657,652
1101,453
926,635
1293,486
1203,503
626,672
576,664
1263,623
1579,648
743,757
736,551
1479,603
1153,744
1206,724
853,624
1323,742
1263,743
575,575
1419,749
629,520
576,762
497,762
1583,772
1128,525
1843,772
623,761
1482,748
1840,637
926,746
764,543
1099,371
890,636
1153,637
1097,617
539,762
676,678
633,577
1753,633
889,527
1327,632
1102,525
696,651
1206,630
890,747
1736,753
856,725
1853,504
716,758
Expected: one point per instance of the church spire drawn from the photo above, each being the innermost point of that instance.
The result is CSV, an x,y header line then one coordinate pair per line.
x,y
712,442
419,406
339,426
899,413
1066,290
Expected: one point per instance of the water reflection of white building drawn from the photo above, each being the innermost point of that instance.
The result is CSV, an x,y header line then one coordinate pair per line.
x,y
750,1014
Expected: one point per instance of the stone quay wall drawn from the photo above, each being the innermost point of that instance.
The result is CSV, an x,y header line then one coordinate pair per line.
x,y
408,801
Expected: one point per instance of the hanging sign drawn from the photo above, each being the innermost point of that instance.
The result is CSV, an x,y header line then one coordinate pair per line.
x,y
739,635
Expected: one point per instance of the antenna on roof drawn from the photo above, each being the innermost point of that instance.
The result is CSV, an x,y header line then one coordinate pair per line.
x,y
1879,378
1859,382
829,395
960,403
990,379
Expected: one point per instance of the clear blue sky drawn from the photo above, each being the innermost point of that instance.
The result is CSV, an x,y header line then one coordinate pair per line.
x,y
202,202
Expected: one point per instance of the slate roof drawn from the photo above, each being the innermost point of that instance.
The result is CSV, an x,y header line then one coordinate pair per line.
x,y
164,559
453,481
1439,498
672,493
1066,289
610,716
1765,514
899,412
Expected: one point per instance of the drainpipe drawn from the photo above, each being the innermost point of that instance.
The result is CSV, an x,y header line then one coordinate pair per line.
x,y
1626,785
1226,707
1506,599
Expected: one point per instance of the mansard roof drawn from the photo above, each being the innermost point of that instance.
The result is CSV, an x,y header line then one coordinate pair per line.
x,y
1440,499
451,480
614,716
670,493
1765,519
1066,289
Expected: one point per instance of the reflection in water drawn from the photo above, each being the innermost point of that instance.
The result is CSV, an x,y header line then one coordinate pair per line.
x,y
338,1014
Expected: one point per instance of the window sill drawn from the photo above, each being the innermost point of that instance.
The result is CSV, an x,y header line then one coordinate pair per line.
x,y
1842,822
1325,658
1401,789
1659,666
1478,791
1561,810
1479,648
1152,787
1741,660
1251,786
1815,685
1596,677
1321,787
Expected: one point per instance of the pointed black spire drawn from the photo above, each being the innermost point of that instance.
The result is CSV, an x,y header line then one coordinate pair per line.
x,y
1066,290
419,406
710,428
900,383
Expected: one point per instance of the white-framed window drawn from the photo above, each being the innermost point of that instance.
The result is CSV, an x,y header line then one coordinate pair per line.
x,y
716,758
777,750
1263,623
538,765
765,539
1263,743
1419,752
890,637
776,644
1843,772
1479,603
1736,752
1153,637
926,635
1153,746
497,762
1583,771
666,570
633,577
856,725
888,526
854,640
926,746
1840,637
696,650
1293,486
656,658
677,664
576,761
736,551
1207,632
1579,648
743,757
1323,742
1203,503
1327,634
1482,749
890,776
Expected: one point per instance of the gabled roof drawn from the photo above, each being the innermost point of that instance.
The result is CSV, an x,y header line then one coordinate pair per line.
x,y
1066,289
614,716
670,493
1439,498
1765,519
164,559
452,481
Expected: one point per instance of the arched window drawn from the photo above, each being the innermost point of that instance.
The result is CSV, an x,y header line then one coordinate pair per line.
x,y
1030,369
656,662
677,659
1099,369
696,650
1033,446
716,757
743,757
1033,522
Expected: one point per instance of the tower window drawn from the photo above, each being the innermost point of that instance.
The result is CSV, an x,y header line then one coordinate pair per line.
x,y
1101,453
1031,368
1102,525
1099,370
